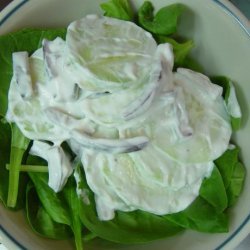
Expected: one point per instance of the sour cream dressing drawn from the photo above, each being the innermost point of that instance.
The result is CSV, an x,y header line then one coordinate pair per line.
x,y
146,136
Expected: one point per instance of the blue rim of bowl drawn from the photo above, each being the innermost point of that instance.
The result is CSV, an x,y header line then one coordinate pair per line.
x,y
10,13
238,20
12,239
231,13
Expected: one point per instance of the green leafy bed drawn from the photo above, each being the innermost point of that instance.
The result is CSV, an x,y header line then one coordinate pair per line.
x,y
63,215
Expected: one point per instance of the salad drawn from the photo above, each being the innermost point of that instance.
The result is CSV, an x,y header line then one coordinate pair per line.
x,y
111,130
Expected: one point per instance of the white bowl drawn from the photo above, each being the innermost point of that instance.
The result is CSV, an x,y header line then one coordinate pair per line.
x,y
222,38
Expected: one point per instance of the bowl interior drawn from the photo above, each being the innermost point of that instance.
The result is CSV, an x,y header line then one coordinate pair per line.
x,y
222,47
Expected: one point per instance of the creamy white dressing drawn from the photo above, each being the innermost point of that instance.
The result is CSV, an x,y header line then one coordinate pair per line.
x,y
146,136
83,193
21,71
105,46
148,179
59,165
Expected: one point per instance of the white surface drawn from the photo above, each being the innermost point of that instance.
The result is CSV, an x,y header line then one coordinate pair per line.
x,y
2,247
245,244
223,56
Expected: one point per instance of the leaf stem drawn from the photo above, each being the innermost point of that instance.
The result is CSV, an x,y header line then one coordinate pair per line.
x,y
15,161
31,168
19,144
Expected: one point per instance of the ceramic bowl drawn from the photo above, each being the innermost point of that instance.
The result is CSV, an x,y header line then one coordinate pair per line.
x,y
222,39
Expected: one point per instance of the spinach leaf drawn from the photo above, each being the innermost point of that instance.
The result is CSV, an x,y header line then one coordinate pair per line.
x,y
40,221
19,144
5,142
62,207
126,227
120,9
224,83
236,183
191,63
181,50
201,216
227,86
71,197
226,163
24,40
53,203
31,168
232,172
5,145
214,192
165,20
236,123
89,236
217,193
